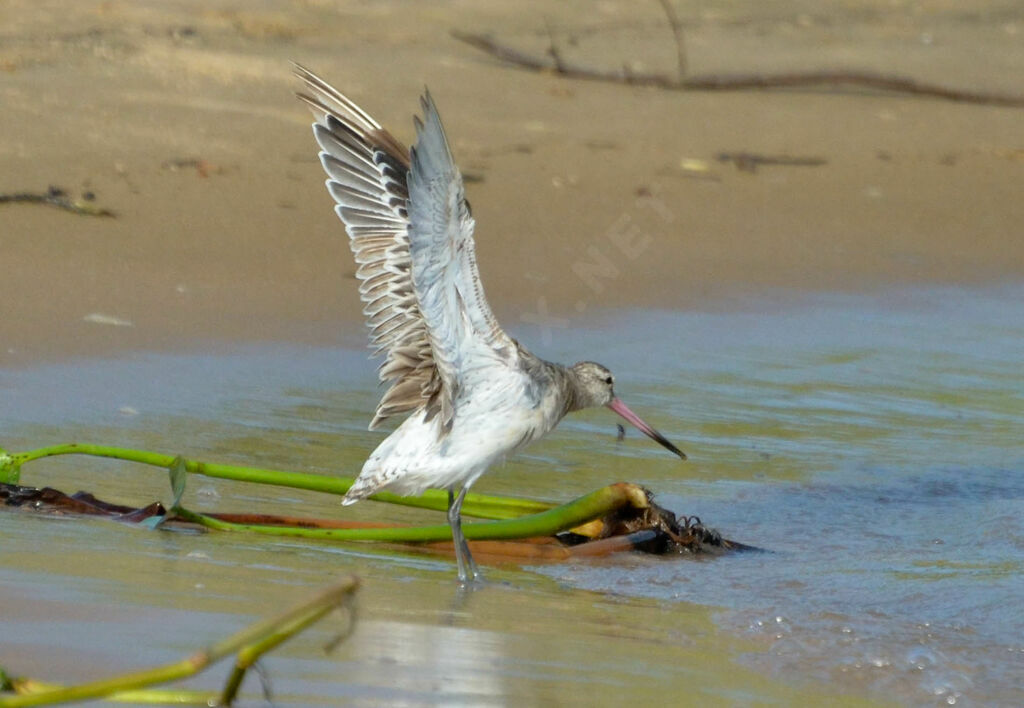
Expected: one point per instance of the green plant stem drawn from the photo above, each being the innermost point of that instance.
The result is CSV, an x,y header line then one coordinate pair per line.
x,y
143,696
9,472
250,654
251,641
477,505
587,508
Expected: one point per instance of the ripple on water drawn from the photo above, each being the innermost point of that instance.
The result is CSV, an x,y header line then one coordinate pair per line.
x,y
884,469
873,444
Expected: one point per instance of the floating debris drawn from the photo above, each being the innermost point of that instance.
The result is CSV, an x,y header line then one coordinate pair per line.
x,y
750,161
693,168
203,168
615,518
102,319
648,529
692,164
55,196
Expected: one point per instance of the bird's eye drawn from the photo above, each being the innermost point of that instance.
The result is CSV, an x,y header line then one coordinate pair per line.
x,y
608,380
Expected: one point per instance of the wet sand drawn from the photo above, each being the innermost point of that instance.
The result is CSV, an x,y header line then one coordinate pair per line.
x,y
587,195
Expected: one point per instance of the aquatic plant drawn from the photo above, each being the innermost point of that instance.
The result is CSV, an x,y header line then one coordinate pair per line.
x,y
618,510
247,646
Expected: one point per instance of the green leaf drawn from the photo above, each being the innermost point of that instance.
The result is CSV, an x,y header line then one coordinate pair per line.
x,y
10,473
178,474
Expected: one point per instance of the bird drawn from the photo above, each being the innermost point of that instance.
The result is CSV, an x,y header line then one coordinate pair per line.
x,y
470,393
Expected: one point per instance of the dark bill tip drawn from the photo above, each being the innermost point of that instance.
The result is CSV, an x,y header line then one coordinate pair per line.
x,y
622,409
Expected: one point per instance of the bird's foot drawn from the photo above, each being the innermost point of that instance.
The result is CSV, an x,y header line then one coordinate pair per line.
x,y
470,575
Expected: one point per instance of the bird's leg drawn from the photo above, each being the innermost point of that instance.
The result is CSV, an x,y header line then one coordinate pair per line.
x,y
467,566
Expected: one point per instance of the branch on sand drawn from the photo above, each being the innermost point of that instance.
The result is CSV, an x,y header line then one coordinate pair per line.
x,y
554,62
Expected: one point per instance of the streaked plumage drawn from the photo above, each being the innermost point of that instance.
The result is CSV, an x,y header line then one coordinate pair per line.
x,y
472,394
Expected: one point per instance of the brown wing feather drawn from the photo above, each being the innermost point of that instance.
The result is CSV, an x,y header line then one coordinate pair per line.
x,y
367,169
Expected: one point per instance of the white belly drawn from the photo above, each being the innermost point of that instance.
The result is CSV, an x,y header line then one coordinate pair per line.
x,y
486,427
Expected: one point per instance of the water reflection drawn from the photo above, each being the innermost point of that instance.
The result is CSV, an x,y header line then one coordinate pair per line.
x,y
449,663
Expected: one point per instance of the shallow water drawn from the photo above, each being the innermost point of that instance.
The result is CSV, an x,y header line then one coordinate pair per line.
x,y
872,444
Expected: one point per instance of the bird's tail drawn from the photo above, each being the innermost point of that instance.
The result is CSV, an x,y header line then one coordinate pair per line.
x,y
361,488
352,496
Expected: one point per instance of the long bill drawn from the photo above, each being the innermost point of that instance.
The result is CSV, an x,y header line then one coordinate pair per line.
x,y
622,409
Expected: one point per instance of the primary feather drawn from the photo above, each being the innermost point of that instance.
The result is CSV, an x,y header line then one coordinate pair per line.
x,y
411,232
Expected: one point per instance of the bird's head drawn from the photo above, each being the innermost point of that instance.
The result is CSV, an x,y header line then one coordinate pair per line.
x,y
595,386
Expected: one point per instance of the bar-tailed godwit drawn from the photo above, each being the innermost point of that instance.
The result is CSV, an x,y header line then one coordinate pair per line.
x,y
472,394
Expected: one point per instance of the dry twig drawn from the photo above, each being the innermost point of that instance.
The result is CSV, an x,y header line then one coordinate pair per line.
x,y
738,82
677,34
55,196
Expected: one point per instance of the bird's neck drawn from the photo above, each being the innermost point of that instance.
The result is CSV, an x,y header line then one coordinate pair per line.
x,y
568,385
560,381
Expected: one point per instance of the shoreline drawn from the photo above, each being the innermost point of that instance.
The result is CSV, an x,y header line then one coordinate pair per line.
x,y
535,333
587,196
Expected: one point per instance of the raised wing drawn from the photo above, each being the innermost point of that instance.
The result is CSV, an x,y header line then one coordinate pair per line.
x,y
410,230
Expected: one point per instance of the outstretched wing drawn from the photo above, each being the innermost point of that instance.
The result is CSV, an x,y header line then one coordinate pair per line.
x,y
412,235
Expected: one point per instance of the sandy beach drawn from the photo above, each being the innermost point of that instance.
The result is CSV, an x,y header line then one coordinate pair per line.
x,y
181,119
